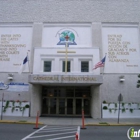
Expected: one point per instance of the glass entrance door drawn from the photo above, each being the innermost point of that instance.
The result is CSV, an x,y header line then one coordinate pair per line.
x,y
65,101
69,106
52,105
78,106
61,106
66,106
87,106
45,104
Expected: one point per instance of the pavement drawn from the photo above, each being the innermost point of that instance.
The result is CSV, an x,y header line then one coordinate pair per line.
x,y
71,121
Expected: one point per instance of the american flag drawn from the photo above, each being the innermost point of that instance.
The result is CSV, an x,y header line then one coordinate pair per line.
x,y
100,64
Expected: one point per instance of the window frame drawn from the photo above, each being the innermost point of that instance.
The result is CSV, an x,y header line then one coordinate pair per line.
x,y
44,65
68,65
86,67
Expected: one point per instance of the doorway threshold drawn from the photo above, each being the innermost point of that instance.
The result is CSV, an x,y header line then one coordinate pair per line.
x,y
65,116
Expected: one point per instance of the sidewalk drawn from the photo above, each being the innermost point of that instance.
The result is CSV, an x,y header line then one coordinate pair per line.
x,y
70,121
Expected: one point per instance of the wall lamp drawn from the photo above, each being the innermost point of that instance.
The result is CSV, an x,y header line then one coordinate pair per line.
x,y
122,79
10,76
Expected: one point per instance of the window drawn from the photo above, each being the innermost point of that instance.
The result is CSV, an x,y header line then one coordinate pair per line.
x,y
68,66
85,66
47,66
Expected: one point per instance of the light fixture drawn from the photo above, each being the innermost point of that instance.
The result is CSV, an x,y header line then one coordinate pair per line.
x,y
122,79
10,76
84,95
51,94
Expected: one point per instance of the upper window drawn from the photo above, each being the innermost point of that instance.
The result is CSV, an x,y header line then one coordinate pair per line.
x,y
68,66
84,66
47,66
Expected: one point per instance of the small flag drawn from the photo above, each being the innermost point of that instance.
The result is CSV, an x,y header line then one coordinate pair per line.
x,y
23,66
100,64
25,60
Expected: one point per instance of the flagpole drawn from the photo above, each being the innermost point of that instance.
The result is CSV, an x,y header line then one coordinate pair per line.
x,y
104,64
28,62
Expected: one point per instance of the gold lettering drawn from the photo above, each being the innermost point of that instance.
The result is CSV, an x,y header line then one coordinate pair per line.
x,y
78,79
2,52
85,79
64,78
119,60
118,48
6,35
122,53
4,59
13,39
12,52
132,50
17,35
3,55
46,78
94,79
126,43
34,78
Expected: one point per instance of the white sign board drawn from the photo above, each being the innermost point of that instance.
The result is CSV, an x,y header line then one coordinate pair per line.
x,y
121,43
79,35
3,86
15,41
18,87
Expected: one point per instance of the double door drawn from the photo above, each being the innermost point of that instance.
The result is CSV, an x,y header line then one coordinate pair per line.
x,y
65,106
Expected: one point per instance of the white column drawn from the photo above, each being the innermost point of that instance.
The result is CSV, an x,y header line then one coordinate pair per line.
x,y
95,102
36,100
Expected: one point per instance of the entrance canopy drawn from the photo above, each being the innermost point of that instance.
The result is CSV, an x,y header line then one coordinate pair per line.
x,y
65,79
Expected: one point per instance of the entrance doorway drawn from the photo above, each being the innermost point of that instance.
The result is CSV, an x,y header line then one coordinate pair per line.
x,y
65,101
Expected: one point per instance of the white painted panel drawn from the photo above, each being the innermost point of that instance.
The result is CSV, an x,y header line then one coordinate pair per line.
x,y
40,54
121,43
82,33
15,41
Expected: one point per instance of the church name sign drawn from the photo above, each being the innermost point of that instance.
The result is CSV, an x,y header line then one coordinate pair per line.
x,y
64,79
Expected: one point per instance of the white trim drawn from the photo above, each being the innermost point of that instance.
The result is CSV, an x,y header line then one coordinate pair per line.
x,y
67,24
63,55
62,47
120,24
16,25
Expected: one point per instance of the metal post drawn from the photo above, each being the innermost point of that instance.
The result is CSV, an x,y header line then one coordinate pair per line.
x,y
3,87
120,98
2,106
66,57
119,112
